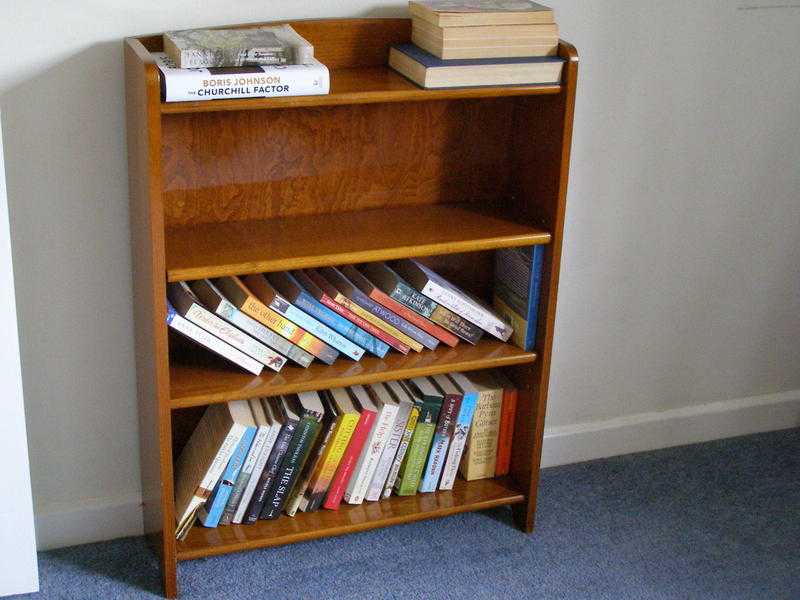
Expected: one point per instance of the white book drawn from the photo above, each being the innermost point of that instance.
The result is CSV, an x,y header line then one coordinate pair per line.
x,y
386,409
457,383
375,489
405,441
265,81
204,338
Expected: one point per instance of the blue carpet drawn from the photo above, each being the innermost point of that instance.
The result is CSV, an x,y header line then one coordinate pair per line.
x,y
715,520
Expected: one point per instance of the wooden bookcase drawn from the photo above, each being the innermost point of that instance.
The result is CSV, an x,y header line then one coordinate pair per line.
x,y
378,169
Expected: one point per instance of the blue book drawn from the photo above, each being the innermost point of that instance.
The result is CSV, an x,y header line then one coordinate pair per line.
x,y
517,287
294,287
212,511
445,427
450,385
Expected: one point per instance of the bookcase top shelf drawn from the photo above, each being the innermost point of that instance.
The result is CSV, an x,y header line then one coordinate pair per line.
x,y
241,247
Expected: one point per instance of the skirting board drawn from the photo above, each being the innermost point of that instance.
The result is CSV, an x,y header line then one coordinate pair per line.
x,y
96,520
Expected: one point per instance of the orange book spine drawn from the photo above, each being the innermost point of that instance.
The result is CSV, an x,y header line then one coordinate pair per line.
x,y
505,436
415,319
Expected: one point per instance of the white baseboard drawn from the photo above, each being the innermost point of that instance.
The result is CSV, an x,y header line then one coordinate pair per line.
x,y
68,524
654,430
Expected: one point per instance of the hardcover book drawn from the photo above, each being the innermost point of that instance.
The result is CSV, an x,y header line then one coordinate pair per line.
x,y
327,294
480,457
508,413
404,406
463,303
466,13
294,337
207,340
400,391
457,383
393,285
428,398
289,284
517,285
451,403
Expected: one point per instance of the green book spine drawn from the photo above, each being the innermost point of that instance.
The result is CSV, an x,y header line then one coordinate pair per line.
x,y
414,461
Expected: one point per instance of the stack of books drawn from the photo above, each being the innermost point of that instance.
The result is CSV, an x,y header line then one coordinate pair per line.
x,y
335,313
256,459
479,42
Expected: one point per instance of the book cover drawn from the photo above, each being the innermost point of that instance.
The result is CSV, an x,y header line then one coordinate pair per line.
x,y
213,299
189,306
451,403
405,441
395,287
238,294
480,457
347,466
508,414
466,13
328,295
459,301
289,284
286,412
367,286
517,285
266,81
457,383
375,397
347,416
404,406
210,342
330,341
430,401
379,315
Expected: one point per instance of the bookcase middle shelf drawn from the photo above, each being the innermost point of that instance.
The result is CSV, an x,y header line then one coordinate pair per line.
x,y
199,379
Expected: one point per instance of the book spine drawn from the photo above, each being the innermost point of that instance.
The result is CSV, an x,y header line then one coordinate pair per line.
x,y
375,488
216,503
216,345
244,475
414,463
235,337
506,434
334,451
370,455
270,471
440,443
297,335
459,440
473,313
414,318
480,456
325,334
518,274
411,331
250,326
372,317
429,309
347,466
314,460
345,310
405,441
291,466
252,484
348,329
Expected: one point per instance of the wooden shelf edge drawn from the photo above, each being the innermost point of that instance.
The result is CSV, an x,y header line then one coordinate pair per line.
x,y
465,497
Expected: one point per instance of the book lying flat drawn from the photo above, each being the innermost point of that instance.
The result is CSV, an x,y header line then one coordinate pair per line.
x,y
461,13
493,41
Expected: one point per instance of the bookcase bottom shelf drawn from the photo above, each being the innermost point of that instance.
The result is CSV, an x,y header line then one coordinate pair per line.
x,y
465,497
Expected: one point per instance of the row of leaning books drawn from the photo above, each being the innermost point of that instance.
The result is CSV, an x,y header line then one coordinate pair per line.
x,y
323,314
256,459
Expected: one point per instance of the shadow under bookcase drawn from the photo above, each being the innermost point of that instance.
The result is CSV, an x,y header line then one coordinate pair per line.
x,y
377,170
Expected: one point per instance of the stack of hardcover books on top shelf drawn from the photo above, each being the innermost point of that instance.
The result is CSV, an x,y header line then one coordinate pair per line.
x,y
465,43
261,62
334,313
255,459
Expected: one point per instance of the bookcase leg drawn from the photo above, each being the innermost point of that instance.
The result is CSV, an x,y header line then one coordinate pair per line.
x,y
169,576
523,515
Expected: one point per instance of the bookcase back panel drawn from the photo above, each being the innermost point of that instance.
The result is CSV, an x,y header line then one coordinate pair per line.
x,y
236,166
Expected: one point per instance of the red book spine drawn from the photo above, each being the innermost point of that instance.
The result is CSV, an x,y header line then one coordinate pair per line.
x,y
506,433
409,315
364,324
349,459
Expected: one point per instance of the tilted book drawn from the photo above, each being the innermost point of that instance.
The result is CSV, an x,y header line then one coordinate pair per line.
x,y
451,403
204,457
517,285
264,291
290,286
399,290
211,342
377,398
400,390
327,294
480,457
466,13
266,81
404,406
188,305
430,402
214,300
238,294
458,384
463,303
508,413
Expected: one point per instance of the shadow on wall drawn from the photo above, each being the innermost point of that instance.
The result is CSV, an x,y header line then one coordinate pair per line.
x,y
64,140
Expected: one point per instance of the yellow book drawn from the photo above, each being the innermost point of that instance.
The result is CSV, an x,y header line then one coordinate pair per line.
x,y
480,457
